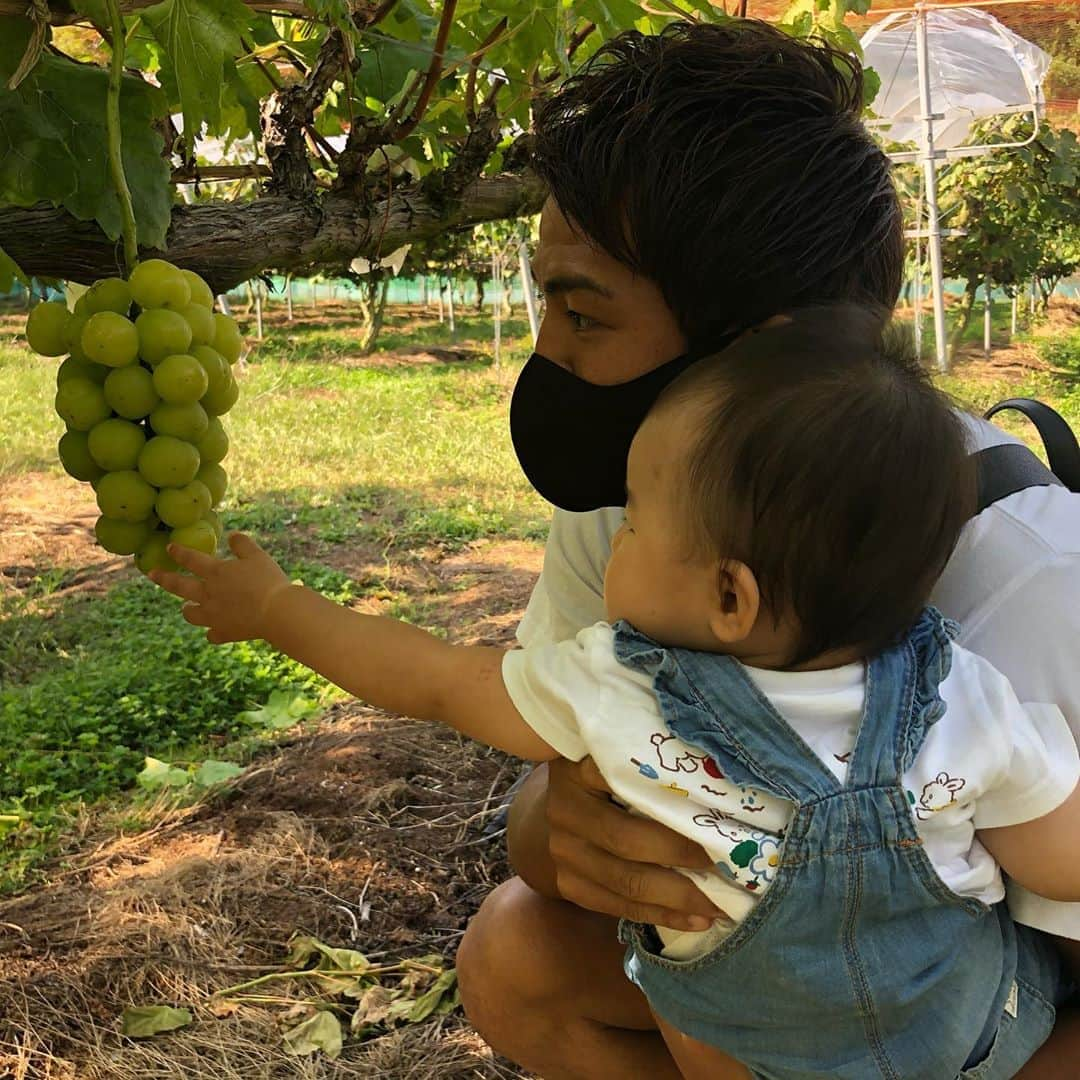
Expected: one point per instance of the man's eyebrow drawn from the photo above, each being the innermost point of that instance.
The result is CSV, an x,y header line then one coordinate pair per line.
x,y
566,281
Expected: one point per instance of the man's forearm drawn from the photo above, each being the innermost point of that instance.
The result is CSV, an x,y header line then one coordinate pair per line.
x,y
527,835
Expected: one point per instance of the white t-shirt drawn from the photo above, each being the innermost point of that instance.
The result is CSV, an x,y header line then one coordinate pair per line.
x,y
1013,584
988,762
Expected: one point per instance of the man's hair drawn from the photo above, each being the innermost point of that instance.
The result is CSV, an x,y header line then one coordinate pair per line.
x,y
728,164
827,462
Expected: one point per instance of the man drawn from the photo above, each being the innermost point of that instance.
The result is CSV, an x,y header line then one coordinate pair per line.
x,y
701,182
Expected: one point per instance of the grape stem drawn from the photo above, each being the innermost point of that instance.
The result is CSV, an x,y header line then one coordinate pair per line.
x,y
112,128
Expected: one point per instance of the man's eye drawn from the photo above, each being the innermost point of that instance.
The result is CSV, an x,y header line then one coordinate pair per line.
x,y
579,321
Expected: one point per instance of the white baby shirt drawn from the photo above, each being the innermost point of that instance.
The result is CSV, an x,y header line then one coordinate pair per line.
x,y
988,762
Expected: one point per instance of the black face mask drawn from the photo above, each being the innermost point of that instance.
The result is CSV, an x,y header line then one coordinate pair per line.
x,y
572,437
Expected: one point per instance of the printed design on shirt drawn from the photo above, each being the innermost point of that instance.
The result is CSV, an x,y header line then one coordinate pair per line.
x,y
645,769
939,794
843,758
753,860
676,790
672,761
750,800
728,827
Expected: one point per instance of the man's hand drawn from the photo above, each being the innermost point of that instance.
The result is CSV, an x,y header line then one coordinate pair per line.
x,y
230,597
608,860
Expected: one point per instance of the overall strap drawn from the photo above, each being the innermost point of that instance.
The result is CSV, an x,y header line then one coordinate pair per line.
x,y
903,701
711,702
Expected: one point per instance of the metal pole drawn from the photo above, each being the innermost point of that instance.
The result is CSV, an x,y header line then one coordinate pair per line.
x,y
288,298
528,290
926,154
450,303
496,304
1012,331
987,311
258,311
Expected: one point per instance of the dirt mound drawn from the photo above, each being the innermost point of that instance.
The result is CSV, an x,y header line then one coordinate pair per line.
x,y
368,835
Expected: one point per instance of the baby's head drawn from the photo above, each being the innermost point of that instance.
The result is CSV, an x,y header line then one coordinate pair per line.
x,y
793,499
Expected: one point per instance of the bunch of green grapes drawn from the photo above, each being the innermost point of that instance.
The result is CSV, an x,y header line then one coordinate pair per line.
x,y
145,382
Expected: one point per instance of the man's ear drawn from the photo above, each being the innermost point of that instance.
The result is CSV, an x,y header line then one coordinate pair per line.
x,y
736,603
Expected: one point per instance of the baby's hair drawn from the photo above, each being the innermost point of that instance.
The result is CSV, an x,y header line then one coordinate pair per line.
x,y
829,464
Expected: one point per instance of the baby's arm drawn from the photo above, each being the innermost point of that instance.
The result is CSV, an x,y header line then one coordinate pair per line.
x,y
388,663
1041,854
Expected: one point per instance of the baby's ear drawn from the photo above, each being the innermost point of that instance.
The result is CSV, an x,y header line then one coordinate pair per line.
x,y
736,602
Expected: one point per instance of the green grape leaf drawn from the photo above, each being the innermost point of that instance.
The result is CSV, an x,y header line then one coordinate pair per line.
x,y
142,1021
319,1032
9,272
53,141
385,69
282,711
427,1002
210,773
198,37
97,11
303,948
160,774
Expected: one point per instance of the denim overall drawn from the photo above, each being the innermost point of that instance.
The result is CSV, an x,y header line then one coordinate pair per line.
x,y
858,962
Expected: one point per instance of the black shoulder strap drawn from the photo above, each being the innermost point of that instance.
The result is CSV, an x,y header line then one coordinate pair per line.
x,y
1006,469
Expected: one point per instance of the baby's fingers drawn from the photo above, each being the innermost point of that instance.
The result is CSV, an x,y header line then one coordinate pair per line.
x,y
187,588
195,561
243,547
195,614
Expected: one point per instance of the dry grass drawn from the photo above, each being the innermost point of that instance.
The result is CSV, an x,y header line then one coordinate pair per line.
x,y
366,835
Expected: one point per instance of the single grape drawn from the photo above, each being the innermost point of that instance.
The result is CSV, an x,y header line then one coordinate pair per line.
x,y
153,556
73,336
218,372
217,482
108,294
219,400
76,368
188,422
122,537
200,291
213,444
200,536
227,337
180,507
125,496
116,444
75,457
162,333
81,404
201,321
45,328
180,379
130,392
81,309
156,283
166,461
215,522
108,338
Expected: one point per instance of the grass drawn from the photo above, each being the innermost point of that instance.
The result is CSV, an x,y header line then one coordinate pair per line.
x,y
401,456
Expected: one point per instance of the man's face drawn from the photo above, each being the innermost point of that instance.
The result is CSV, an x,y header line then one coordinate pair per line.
x,y
602,322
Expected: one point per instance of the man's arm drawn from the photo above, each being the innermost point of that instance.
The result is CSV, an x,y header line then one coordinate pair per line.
x,y
1041,854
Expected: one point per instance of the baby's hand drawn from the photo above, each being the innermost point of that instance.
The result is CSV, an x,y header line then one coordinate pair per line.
x,y
230,597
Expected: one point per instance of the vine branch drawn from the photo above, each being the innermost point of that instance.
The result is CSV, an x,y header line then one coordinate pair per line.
x,y
112,127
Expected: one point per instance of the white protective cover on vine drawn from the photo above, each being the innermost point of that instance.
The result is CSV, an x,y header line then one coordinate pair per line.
x,y
978,68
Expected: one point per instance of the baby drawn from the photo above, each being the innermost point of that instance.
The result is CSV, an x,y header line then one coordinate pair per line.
x,y
770,683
